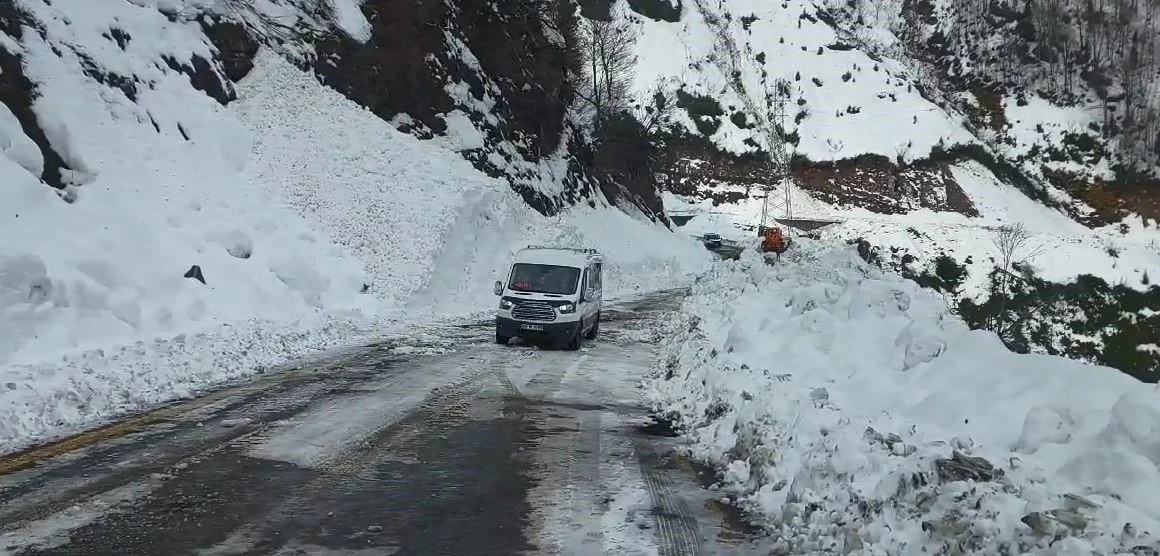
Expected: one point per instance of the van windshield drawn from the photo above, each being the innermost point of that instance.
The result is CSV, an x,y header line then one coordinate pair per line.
x,y
544,278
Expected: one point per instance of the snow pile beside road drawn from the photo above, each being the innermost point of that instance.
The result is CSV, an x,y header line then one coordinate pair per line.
x,y
46,401
846,406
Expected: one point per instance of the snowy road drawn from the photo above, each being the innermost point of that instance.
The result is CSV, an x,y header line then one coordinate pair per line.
x,y
485,450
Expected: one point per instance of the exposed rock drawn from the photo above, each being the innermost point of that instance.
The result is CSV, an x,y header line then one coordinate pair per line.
x,y
18,94
236,48
875,183
195,273
658,10
698,168
204,77
962,467
596,9
1054,522
395,72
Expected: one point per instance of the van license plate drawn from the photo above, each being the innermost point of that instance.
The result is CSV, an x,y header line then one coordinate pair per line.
x,y
538,327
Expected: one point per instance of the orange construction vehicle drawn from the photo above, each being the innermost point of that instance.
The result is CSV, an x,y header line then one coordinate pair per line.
x,y
774,242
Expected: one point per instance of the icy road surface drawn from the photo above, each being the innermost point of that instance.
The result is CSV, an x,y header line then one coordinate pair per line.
x,y
485,450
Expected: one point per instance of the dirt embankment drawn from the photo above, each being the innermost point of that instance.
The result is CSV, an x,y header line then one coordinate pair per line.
x,y
699,169
876,183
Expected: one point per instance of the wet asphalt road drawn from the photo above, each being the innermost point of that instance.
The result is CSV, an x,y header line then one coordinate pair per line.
x,y
484,450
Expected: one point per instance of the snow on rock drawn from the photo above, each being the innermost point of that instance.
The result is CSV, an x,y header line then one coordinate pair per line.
x,y
348,15
16,146
853,412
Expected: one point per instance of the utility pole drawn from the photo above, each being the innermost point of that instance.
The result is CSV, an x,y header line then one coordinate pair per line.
x,y
778,164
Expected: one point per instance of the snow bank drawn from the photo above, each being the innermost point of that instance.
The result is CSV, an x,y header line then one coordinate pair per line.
x,y
831,397
313,223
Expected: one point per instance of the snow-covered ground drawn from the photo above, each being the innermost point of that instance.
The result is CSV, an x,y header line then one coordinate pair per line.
x,y
832,396
314,225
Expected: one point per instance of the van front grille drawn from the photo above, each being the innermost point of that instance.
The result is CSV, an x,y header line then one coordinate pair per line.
x,y
534,310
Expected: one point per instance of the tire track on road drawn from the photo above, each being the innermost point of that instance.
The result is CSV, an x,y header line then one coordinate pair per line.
x,y
678,532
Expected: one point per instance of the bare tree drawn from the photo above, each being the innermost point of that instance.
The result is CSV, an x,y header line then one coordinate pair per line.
x,y
609,51
1014,244
656,112
1015,249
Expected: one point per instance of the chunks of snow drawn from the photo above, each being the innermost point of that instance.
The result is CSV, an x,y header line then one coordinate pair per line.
x,y
301,277
237,243
847,406
23,280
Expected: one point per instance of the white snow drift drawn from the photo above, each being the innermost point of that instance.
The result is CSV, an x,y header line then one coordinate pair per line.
x,y
314,225
826,393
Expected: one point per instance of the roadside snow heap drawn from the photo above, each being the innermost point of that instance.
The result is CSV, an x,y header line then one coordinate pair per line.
x,y
853,414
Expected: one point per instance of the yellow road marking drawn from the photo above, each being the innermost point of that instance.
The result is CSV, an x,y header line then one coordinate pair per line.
x,y
25,459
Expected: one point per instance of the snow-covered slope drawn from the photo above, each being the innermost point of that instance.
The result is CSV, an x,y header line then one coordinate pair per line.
x,y
845,406
897,79
842,102
900,163
853,91
312,222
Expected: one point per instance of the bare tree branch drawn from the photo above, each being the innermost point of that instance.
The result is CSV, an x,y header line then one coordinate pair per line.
x,y
609,51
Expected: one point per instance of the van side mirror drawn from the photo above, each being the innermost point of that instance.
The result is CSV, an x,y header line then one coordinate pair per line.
x,y
498,288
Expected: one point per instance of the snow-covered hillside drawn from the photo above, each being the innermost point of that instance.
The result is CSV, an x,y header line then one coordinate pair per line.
x,y
853,414
873,77
900,164
313,222
734,53
852,93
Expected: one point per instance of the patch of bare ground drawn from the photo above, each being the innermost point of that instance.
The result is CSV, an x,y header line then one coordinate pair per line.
x,y
877,184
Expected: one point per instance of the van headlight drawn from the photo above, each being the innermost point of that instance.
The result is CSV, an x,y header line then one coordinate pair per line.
x,y
567,308
505,304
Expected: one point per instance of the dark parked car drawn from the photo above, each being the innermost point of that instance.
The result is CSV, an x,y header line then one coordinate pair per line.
x,y
712,241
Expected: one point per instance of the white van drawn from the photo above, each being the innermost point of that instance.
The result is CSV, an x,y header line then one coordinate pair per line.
x,y
552,293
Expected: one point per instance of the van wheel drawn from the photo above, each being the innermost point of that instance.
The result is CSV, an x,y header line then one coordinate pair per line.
x,y
500,338
573,343
591,335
